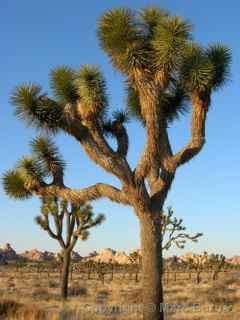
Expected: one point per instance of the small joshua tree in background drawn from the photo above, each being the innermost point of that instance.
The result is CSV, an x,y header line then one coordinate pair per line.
x,y
217,262
198,263
70,220
174,232
135,257
77,219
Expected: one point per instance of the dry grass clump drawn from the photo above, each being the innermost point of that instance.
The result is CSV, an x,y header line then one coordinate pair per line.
x,y
30,313
132,296
53,284
102,296
41,294
77,291
8,307
220,294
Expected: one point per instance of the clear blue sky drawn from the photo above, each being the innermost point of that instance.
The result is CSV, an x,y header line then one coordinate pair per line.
x,y
38,35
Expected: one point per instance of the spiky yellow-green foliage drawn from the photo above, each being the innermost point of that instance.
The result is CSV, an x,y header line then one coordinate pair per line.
x,y
220,56
91,89
30,172
169,42
206,69
14,185
119,118
150,17
149,43
120,38
62,84
35,108
47,155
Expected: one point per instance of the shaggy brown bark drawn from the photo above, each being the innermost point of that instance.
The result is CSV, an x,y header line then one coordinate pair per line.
x,y
151,245
65,273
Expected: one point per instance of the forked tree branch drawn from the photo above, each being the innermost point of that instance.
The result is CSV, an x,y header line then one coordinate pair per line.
x,y
94,192
200,107
99,151
161,186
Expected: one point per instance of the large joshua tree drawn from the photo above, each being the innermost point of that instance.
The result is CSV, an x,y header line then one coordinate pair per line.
x,y
165,70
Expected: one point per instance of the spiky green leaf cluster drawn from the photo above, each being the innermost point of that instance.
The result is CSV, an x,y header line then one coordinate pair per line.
x,y
30,172
14,185
41,222
120,36
204,70
197,71
62,83
169,42
91,89
23,180
150,17
220,57
117,30
119,118
47,155
36,108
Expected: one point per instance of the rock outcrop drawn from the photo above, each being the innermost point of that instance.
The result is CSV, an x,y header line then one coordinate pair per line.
x,y
7,253
76,256
234,260
110,256
36,255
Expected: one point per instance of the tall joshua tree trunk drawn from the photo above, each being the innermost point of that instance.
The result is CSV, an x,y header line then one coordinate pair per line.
x,y
152,266
65,273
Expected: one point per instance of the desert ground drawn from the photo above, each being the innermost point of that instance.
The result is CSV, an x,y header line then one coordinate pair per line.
x,y
29,295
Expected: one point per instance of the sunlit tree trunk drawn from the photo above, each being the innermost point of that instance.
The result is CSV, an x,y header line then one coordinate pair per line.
x,y
65,274
152,268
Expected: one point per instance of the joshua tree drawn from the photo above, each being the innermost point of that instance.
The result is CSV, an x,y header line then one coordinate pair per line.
x,y
198,263
135,257
165,71
174,232
64,221
217,262
77,219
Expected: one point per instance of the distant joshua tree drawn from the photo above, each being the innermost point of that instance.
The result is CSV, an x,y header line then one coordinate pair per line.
x,y
198,262
165,72
217,262
64,221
